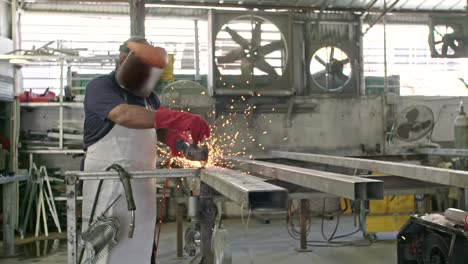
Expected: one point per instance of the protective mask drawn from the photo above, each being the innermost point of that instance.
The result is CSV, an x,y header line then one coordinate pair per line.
x,y
137,77
154,76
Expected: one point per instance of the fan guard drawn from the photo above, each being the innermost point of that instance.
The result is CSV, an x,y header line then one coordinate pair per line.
x,y
252,47
446,42
330,69
188,96
414,122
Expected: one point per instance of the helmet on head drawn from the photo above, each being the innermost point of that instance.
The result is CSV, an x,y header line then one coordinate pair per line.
x,y
142,66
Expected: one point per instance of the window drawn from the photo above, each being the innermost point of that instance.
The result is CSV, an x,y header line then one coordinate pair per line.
x,y
102,35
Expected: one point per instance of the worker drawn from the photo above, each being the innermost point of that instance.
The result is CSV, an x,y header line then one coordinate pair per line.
x,y
121,125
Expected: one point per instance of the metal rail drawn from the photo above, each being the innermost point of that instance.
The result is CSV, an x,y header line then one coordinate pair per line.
x,y
112,175
346,186
417,172
5,180
443,152
248,191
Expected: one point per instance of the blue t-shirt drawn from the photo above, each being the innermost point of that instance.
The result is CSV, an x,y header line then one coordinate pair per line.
x,y
102,95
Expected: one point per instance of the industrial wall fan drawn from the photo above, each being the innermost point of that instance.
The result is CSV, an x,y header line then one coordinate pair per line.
x,y
330,69
448,37
333,56
188,96
250,53
414,123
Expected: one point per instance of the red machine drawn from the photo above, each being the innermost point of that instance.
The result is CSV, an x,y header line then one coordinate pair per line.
x,y
29,96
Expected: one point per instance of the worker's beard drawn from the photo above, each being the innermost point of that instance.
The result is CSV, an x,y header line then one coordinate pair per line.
x,y
136,77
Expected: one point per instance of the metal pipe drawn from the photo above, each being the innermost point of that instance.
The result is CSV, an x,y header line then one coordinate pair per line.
x,y
303,225
180,232
6,180
197,51
71,221
61,106
443,152
111,175
387,10
417,172
385,51
351,187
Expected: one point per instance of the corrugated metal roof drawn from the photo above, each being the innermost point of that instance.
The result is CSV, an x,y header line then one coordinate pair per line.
x,y
111,8
120,6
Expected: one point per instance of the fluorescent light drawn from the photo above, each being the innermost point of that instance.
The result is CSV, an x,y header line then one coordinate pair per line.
x,y
18,61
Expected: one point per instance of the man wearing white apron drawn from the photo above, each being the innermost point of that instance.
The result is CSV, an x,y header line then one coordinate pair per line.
x,y
121,119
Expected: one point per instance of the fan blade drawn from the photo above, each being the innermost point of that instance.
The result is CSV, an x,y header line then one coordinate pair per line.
x,y
404,130
320,60
444,49
246,68
319,74
342,77
426,124
412,115
438,42
232,56
345,61
332,53
257,34
273,46
454,46
264,66
237,38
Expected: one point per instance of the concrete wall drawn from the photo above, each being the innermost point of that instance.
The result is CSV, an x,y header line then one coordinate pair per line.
x,y
337,125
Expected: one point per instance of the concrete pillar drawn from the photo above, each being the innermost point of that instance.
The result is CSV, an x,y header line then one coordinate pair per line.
x,y
137,18
9,218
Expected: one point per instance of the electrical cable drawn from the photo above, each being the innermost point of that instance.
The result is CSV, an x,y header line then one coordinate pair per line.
x,y
330,241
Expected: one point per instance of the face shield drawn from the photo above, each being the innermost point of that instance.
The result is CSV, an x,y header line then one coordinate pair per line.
x,y
142,68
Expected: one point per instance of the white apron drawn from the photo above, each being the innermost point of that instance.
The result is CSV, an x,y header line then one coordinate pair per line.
x,y
133,149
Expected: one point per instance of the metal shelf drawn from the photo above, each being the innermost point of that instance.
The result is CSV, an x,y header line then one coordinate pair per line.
x,y
5,180
54,104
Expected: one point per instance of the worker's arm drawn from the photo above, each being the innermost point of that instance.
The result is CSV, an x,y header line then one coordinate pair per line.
x,y
132,116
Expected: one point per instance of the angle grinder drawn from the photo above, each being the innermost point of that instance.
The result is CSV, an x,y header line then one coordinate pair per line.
x,y
193,151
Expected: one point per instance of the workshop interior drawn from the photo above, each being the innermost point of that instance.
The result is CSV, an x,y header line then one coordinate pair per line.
x,y
319,131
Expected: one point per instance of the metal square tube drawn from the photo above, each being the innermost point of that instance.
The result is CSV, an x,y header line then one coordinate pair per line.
x,y
245,190
346,186
423,173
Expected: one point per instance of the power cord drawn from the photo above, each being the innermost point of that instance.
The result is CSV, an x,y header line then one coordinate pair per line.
x,y
330,241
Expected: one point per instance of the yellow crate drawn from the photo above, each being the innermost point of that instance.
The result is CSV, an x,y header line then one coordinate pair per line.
x,y
385,223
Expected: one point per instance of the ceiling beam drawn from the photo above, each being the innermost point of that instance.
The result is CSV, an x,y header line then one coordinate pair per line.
x,y
244,5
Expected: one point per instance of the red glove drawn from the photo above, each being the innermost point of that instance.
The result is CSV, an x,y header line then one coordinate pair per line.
x,y
183,121
171,137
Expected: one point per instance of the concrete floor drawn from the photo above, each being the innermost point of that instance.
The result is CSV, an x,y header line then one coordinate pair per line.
x,y
260,244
